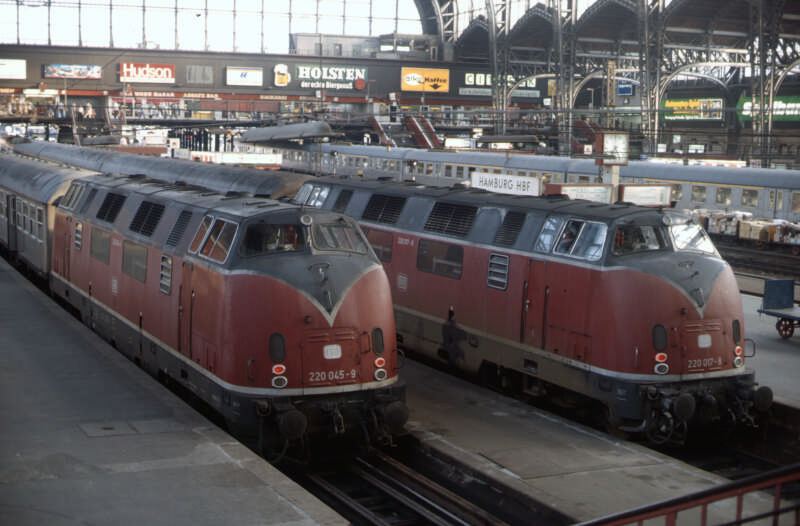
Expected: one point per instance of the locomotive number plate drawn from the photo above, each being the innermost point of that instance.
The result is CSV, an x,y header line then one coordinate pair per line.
x,y
331,376
704,363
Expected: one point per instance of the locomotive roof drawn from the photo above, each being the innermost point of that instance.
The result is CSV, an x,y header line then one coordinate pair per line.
x,y
216,177
37,180
483,198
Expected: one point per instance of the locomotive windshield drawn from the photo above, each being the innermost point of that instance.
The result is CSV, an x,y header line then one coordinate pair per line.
x,y
631,239
265,238
692,237
338,236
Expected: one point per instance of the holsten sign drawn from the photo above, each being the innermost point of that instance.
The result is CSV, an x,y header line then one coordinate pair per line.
x,y
149,73
333,77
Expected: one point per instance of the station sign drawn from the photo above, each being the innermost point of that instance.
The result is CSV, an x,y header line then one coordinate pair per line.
x,y
479,84
785,108
73,71
244,76
693,109
320,77
13,69
147,73
427,80
506,183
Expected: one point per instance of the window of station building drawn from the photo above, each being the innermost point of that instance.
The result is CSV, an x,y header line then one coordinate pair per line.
x,y
750,198
698,194
723,196
100,247
220,238
796,202
202,230
443,259
134,260
381,242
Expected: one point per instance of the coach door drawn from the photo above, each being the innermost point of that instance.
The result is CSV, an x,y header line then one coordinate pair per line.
x,y
186,309
534,305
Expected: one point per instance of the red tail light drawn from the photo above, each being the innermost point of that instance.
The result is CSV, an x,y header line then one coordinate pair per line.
x,y
380,362
738,351
661,357
278,368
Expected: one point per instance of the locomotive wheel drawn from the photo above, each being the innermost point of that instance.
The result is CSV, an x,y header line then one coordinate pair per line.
x,y
785,328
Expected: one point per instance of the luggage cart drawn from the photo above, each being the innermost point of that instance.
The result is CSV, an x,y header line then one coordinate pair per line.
x,y
778,301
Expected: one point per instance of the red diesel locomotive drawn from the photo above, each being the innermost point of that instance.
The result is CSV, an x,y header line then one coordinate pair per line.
x,y
278,316
628,306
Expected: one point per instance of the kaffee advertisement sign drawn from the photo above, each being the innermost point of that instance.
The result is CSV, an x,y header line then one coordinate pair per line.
x,y
316,76
147,73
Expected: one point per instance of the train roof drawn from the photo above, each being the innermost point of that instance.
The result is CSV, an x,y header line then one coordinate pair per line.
x,y
216,177
37,180
718,175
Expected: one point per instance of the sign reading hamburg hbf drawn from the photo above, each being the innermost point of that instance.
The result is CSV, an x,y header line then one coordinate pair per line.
x,y
148,73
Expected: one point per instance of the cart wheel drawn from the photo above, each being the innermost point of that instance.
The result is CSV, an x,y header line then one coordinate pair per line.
x,y
785,328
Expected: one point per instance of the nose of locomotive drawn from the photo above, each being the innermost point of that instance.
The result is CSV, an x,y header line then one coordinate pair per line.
x,y
694,274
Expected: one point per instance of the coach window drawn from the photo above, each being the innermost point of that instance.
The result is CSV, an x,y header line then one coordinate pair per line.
x,y
776,200
750,198
676,193
698,194
219,240
201,233
448,171
381,242
439,258
459,172
723,196
40,223
134,260
548,234
470,171
796,202
100,248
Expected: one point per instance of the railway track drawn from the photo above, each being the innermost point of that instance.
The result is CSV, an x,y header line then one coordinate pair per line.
x,y
760,261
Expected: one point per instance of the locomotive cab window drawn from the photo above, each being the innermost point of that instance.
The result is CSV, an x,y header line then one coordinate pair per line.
x,y
582,239
632,239
691,237
265,238
134,260
439,258
339,235
202,230
548,234
219,240
381,242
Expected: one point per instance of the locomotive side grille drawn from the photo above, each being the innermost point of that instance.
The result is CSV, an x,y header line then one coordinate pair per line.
x,y
342,200
455,220
497,277
507,233
147,218
111,206
318,337
179,228
384,208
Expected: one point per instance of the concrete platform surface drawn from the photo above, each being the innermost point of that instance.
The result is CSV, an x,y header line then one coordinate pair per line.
x,y
88,438
583,473
777,361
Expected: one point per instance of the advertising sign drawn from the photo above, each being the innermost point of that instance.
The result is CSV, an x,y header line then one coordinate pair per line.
x,y
479,84
506,184
320,77
693,109
785,108
13,69
199,74
147,73
244,76
428,80
73,71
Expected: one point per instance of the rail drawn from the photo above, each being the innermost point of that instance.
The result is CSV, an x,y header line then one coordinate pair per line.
x,y
697,505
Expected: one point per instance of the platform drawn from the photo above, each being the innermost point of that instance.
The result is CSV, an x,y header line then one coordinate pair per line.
x,y
88,438
580,472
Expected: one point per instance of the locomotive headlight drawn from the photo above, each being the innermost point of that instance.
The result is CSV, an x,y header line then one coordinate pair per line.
x,y
661,368
278,369
380,362
279,382
332,351
380,374
738,361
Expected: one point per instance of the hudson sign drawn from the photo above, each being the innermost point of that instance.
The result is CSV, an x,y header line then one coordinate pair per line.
x,y
147,73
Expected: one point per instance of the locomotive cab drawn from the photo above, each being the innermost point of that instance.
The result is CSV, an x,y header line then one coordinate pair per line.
x,y
687,343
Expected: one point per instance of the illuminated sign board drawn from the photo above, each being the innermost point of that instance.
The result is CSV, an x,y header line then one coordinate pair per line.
x,y
73,71
147,73
316,76
242,76
506,184
785,108
13,69
693,109
428,80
